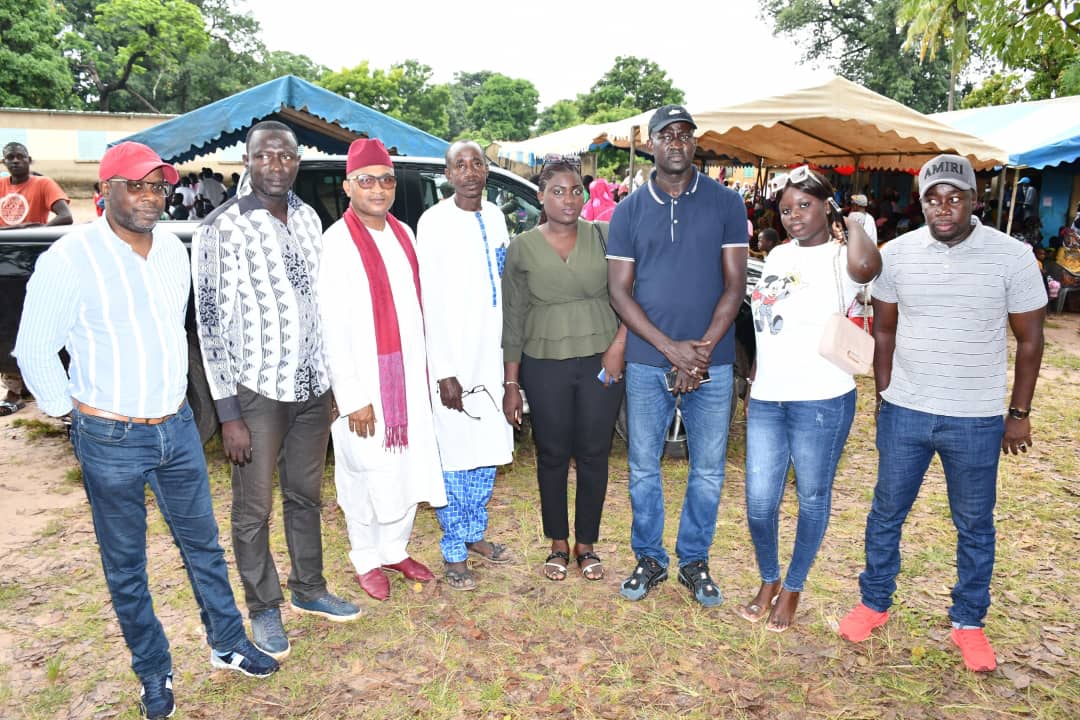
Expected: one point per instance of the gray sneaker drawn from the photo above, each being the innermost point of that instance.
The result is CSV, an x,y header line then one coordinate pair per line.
x,y
329,606
268,633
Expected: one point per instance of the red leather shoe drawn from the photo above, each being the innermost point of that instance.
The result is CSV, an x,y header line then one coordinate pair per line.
x,y
375,584
412,570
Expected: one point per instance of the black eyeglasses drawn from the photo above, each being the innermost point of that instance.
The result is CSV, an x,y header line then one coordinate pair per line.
x,y
473,391
386,182
138,187
554,159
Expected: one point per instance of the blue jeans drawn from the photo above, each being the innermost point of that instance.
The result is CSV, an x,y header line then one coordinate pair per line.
x,y
118,460
810,436
969,449
650,408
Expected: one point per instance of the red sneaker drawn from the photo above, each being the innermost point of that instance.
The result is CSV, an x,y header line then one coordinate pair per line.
x,y
978,655
857,625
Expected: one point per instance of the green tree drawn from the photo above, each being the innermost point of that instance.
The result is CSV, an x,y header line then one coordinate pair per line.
x,y
931,23
861,41
277,63
33,72
463,90
1014,32
998,89
562,114
112,42
504,109
404,91
631,82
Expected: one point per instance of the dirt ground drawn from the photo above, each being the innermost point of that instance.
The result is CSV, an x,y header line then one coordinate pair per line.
x,y
36,488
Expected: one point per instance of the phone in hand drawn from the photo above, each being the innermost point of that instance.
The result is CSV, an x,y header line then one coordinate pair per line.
x,y
839,218
670,375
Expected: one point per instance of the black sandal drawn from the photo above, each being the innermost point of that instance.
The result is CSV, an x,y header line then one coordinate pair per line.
x,y
592,566
557,571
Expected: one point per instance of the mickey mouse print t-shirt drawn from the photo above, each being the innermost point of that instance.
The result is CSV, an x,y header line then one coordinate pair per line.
x,y
793,299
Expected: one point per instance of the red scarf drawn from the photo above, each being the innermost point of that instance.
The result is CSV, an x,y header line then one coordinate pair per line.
x,y
387,333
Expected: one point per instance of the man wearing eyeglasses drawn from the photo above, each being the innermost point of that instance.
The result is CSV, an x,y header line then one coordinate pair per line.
x,y
677,273
461,245
386,460
114,294
255,261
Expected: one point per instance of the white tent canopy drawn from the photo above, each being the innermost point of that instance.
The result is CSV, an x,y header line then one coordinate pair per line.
x,y
835,123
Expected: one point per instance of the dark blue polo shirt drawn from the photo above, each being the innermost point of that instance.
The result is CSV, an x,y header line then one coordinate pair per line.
x,y
676,245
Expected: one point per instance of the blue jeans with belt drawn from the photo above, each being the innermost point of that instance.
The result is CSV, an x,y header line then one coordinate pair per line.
x,y
650,408
118,460
969,448
806,434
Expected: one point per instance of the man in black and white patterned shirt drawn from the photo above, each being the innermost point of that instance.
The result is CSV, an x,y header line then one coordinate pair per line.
x,y
254,263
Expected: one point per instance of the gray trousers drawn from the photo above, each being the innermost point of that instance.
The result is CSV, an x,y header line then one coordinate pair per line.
x,y
292,436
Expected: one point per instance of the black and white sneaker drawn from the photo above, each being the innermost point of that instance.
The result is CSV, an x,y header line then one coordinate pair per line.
x,y
695,575
648,574
245,658
156,697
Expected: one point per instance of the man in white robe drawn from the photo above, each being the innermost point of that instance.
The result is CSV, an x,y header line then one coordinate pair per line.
x,y
461,245
385,453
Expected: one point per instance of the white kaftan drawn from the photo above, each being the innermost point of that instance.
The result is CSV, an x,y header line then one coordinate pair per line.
x,y
462,290
375,484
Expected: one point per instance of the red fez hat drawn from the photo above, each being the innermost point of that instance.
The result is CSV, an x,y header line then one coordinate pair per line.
x,y
365,153
134,161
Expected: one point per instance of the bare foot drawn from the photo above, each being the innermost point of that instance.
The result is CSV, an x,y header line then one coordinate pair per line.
x,y
759,606
783,612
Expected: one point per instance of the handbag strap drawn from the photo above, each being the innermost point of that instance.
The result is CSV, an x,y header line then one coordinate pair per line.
x,y
840,292
603,242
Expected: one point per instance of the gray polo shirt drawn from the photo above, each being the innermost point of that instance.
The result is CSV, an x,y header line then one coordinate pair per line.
x,y
951,352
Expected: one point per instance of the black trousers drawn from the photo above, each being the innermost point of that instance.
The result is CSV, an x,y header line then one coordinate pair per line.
x,y
573,416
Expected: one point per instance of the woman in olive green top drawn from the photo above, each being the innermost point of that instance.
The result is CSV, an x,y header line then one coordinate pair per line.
x,y
559,335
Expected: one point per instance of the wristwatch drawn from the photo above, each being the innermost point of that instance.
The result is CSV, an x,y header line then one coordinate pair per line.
x,y
1018,414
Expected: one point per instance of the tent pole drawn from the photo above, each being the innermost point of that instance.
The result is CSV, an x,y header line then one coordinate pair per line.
x,y
1012,203
1002,179
633,154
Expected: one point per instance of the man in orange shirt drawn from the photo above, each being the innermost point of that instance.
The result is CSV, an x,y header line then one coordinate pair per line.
x,y
27,199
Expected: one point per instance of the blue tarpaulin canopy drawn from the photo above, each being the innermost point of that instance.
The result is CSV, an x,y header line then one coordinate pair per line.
x,y
1036,134
320,118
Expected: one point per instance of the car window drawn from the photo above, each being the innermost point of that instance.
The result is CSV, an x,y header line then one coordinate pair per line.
x,y
522,211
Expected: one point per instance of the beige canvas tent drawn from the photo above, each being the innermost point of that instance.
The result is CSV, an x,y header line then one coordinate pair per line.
x,y
836,123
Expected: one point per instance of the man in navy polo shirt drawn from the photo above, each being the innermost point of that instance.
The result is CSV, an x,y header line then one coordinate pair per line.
x,y
677,272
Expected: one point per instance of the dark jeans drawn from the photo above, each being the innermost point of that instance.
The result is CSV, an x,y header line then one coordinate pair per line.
x,y
573,415
969,449
293,437
118,461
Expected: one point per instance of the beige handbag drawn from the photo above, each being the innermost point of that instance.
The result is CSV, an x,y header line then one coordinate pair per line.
x,y
842,342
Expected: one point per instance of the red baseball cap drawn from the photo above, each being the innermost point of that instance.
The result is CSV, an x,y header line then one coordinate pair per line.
x,y
365,153
134,161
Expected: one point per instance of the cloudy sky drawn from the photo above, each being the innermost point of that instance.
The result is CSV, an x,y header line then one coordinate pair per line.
x,y
717,51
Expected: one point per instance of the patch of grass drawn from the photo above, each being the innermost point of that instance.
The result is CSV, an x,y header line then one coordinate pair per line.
x,y
53,667
73,476
53,527
37,429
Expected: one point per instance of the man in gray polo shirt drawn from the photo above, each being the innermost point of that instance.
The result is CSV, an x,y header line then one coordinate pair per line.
x,y
940,310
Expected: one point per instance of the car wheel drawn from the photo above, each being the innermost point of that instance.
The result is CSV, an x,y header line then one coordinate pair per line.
x,y
198,393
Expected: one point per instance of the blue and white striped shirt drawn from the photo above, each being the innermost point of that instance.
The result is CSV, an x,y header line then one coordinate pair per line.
x,y
121,318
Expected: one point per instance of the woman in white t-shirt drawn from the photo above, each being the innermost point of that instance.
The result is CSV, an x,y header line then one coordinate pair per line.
x,y
801,405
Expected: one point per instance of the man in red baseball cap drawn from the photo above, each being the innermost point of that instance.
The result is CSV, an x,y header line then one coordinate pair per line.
x,y
114,293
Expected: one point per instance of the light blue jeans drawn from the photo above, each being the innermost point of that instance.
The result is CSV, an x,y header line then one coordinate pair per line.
x,y
810,436
650,408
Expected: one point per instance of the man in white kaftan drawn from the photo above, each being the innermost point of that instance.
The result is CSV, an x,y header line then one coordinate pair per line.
x,y
461,246
379,483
